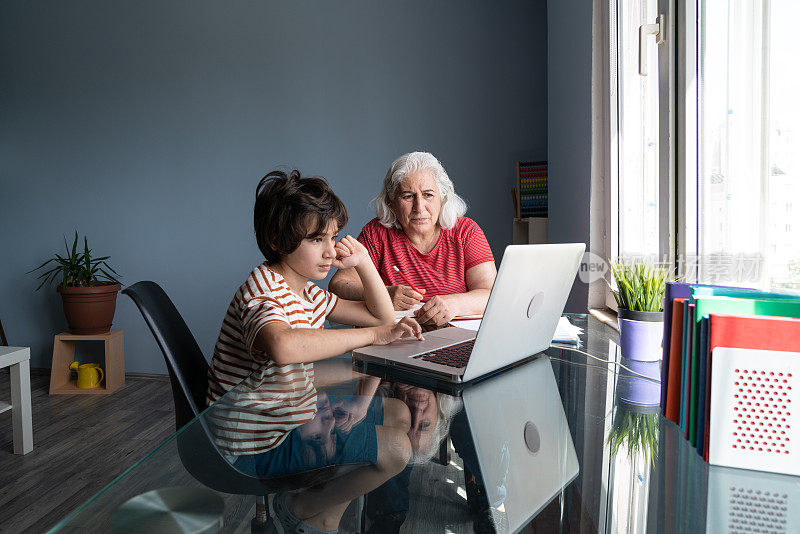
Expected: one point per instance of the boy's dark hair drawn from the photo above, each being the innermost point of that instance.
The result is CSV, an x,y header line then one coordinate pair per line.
x,y
290,208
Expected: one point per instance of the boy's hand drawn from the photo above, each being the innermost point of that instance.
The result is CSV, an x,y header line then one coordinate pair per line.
x,y
407,327
403,297
349,253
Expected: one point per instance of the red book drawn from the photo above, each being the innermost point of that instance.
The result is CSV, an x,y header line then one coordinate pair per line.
x,y
747,332
673,408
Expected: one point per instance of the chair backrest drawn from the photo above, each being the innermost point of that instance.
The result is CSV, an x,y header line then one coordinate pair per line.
x,y
188,369
3,340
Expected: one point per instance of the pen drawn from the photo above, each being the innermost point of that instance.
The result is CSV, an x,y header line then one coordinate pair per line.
x,y
396,268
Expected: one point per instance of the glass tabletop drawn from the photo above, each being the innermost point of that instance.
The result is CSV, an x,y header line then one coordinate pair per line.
x,y
564,441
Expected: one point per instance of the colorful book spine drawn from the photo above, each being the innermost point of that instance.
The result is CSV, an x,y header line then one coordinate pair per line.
x,y
700,319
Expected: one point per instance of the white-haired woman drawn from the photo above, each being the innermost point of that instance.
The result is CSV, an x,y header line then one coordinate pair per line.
x,y
420,228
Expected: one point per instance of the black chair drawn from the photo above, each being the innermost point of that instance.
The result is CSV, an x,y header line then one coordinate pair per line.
x,y
188,374
3,340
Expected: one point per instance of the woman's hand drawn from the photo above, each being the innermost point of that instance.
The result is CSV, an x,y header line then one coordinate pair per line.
x,y
350,412
407,327
437,311
349,253
403,297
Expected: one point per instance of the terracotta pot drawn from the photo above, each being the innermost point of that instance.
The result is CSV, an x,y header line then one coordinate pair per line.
x,y
89,310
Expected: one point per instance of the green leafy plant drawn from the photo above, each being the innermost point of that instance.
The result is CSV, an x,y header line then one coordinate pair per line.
x,y
637,431
640,287
77,268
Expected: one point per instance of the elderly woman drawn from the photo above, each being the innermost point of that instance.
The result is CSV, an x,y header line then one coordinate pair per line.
x,y
420,228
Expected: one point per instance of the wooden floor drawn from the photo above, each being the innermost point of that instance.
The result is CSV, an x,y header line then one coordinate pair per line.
x,y
80,444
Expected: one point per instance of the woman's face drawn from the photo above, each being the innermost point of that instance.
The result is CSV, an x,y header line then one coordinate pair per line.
x,y
424,413
319,429
417,203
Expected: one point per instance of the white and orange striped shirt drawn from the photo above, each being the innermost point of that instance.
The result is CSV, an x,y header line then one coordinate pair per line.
x,y
272,399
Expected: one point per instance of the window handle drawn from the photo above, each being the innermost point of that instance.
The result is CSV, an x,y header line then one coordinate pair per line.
x,y
659,29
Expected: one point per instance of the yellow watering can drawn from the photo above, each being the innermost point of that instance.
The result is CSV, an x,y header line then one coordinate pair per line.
x,y
89,374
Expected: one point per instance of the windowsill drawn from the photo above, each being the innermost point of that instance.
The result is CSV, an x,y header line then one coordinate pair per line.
x,y
605,315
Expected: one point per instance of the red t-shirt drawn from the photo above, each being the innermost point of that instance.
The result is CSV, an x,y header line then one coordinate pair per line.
x,y
442,271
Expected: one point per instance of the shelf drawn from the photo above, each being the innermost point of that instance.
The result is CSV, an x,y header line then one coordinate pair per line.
x,y
71,388
64,354
530,230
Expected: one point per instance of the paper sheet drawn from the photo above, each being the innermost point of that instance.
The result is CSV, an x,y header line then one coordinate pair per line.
x,y
399,314
468,324
566,332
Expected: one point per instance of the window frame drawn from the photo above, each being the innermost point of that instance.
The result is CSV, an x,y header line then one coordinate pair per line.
x,y
674,195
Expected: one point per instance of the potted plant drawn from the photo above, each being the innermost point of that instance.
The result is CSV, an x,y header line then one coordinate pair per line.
x,y
632,386
639,294
88,288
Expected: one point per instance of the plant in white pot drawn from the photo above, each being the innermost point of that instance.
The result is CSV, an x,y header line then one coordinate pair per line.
x,y
639,293
88,288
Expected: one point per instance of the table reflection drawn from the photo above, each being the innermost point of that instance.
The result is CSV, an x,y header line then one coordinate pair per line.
x,y
511,436
560,443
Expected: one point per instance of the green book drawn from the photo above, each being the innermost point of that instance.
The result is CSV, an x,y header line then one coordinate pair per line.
x,y
740,292
783,306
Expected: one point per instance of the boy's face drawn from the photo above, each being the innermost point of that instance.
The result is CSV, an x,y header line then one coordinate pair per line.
x,y
313,258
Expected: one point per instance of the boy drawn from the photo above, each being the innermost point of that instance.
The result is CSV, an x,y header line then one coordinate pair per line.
x,y
271,334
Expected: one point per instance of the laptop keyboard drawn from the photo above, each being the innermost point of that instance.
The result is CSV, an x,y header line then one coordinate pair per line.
x,y
452,356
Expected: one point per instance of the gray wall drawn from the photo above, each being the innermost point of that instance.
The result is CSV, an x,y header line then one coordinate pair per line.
x,y
146,126
569,135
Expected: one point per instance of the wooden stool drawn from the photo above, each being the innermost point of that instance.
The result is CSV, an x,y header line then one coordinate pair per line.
x,y
64,354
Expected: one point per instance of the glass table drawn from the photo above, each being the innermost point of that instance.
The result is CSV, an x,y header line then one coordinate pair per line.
x,y
561,442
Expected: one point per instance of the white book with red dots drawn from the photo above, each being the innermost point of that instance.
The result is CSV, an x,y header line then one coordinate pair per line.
x,y
754,423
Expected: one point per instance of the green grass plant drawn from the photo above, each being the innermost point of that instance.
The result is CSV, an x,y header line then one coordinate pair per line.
x,y
640,287
637,431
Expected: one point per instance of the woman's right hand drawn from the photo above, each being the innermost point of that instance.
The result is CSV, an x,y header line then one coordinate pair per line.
x,y
406,327
403,297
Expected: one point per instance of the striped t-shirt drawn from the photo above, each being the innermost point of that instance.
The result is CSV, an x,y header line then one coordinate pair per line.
x,y
272,399
442,271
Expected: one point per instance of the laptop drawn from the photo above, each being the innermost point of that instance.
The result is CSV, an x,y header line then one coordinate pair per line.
x,y
521,317
522,442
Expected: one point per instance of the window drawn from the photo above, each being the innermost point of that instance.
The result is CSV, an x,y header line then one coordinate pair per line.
x,y
704,150
748,142
638,132
634,205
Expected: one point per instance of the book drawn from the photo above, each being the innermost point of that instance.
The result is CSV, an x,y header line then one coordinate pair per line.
x,y
753,422
702,385
672,364
673,290
704,306
747,332
686,368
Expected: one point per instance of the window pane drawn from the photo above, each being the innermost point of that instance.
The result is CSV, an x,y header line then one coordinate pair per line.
x,y
749,145
638,132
